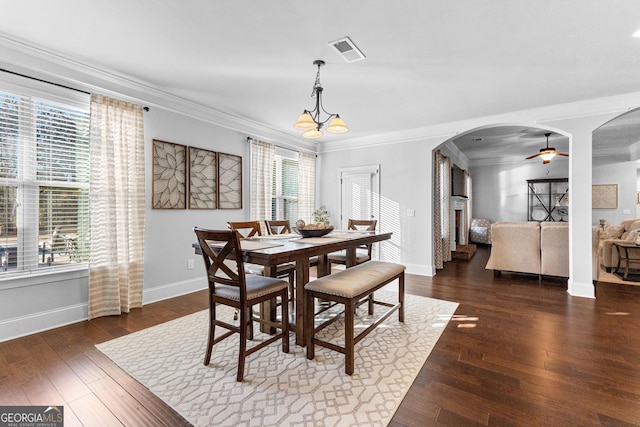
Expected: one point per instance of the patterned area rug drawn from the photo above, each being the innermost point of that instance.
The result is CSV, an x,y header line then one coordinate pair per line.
x,y
281,389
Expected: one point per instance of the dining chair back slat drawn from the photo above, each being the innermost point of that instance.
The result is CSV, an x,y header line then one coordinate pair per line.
x,y
246,228
278,226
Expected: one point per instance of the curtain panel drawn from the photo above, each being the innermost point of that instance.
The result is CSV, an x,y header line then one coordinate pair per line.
x,y
306,186
262,156
441,206
468,207
117,206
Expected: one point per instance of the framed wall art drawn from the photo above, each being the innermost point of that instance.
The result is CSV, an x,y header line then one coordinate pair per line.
x,y
203,176
604,196
169,175
229,181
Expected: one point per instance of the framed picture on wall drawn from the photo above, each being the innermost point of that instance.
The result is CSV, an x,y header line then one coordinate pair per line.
x,y
229,181
169,175
203,176
604,196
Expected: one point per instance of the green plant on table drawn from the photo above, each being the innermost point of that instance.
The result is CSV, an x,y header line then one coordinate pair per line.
x,y
321,215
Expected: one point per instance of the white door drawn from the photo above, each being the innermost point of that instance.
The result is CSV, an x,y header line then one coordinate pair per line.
x,y
359,197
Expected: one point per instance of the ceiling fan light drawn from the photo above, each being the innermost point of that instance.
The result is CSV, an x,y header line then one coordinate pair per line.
x,y
312,133
337,125
547,156
305,121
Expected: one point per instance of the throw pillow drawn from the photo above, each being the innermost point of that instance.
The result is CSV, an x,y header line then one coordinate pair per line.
x,y
635,225
633,235
611,232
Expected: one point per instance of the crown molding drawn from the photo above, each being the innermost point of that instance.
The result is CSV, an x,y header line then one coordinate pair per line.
x,y
21,57
537,117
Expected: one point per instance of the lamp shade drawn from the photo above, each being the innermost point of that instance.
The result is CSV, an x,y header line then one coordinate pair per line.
x,y
305,121
312,133
337,125
547,156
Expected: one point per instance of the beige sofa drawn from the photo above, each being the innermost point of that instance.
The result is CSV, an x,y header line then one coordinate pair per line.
x,y
530,247
605,237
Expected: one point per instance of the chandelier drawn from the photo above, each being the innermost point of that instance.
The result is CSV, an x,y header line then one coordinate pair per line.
x,y
310,120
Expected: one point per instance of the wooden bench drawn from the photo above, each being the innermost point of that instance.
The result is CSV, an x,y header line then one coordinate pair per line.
x,y
349,287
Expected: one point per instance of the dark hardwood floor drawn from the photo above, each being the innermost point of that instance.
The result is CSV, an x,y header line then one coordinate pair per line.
x,y
517,353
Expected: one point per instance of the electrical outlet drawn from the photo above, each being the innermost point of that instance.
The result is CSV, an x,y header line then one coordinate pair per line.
x,y
411,212
190,264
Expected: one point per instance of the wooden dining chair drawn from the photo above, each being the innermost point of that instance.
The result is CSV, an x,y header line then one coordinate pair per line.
x,y
274,226
248,229
283,226
229,285
363,253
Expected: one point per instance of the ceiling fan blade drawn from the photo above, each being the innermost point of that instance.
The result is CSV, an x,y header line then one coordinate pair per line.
x,y
531,157
562,154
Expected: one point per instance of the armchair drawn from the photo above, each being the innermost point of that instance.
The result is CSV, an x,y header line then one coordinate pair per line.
x,y
480,231
608,235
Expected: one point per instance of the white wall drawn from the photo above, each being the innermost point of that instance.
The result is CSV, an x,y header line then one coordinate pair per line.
x,y
500,191
405,183
169,233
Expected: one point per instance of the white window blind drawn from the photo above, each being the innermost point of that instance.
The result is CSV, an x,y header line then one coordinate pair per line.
x,y
44,182
284,201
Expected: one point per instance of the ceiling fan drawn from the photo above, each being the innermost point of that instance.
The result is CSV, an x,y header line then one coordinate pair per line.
x,y
547,153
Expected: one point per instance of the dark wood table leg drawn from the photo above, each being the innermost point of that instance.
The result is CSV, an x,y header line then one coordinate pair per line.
x,y
351,257
302,278
324,266
268,308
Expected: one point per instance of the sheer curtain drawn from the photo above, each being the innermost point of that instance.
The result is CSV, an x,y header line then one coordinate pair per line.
x,y
262,155
441,207
306,185
117,206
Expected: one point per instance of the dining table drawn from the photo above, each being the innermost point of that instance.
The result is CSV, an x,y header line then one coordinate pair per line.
x,y
273,250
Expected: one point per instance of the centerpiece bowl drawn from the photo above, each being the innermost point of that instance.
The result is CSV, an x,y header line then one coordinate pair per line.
x,y
313,232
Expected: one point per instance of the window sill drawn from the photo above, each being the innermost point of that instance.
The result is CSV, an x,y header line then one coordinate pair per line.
x,y
37,278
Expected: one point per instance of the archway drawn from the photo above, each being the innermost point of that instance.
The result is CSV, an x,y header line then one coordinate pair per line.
x,y
615,184
496,157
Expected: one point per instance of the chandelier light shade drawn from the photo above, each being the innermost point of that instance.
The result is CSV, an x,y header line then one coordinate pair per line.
x,y
305,121
311,122
312,133
337,125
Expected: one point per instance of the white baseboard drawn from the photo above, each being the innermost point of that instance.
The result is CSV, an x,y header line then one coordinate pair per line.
x,y
420,269
585,290
172,290
43,321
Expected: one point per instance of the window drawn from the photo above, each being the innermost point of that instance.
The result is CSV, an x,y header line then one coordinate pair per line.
x,y
44,182
284,200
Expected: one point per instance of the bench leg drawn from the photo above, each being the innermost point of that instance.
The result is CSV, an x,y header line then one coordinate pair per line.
x,y
349,314
309,324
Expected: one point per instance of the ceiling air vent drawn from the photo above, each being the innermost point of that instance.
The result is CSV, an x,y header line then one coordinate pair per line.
x,y
347,49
